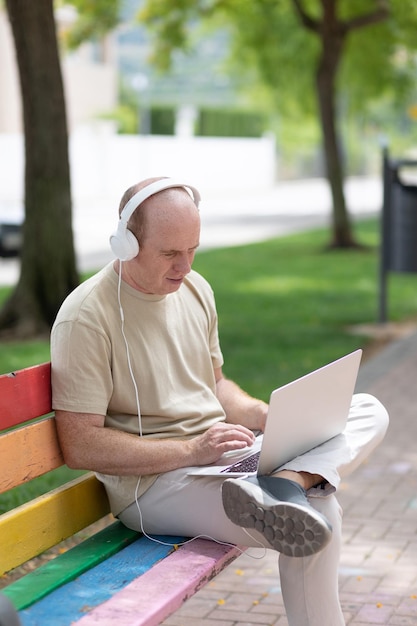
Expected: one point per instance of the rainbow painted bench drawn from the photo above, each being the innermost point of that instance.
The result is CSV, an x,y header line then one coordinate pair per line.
x,y
112,577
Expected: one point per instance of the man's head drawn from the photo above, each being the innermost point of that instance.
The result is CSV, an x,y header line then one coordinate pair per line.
x,y
126,240
165,228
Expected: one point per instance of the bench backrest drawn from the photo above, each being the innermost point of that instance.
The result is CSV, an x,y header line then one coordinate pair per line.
x,y
29,448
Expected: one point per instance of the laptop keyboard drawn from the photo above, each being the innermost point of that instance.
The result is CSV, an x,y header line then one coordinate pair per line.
x,y
249,465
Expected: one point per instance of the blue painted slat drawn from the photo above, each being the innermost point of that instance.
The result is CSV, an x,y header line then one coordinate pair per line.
x,y
72,601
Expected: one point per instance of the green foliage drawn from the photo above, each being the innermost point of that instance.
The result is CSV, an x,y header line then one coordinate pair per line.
x,y
277,57
126,118
274,59
267,38
228,123
126,115
162,120
380,59
170,26
94,20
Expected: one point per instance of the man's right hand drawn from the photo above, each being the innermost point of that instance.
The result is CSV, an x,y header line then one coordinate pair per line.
x,y
218,439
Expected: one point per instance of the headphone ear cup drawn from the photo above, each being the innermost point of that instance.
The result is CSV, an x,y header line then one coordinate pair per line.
x,y
124,244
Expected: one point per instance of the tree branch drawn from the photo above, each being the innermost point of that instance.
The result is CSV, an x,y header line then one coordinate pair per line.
x,y
381,13
305,19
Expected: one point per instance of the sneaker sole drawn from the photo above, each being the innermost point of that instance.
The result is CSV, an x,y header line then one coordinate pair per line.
x,y
289,528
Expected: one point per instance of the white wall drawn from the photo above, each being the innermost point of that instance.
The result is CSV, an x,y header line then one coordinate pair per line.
x,y
115,162
90,84
10,108
104,165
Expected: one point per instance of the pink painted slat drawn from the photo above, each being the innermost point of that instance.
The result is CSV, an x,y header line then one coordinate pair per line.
x,y
159,592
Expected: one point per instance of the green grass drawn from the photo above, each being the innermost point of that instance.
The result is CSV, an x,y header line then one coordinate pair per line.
x,y
285,307
36,487
14,355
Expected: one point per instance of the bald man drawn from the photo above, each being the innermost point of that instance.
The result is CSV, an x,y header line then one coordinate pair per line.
x,y
140,397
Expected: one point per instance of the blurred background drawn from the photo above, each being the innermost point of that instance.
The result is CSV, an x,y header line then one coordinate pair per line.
x,y
274,122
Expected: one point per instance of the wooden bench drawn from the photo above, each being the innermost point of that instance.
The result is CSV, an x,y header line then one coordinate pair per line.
x,y
115,576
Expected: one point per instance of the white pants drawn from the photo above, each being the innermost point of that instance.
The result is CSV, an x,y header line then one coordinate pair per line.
x,y
179,504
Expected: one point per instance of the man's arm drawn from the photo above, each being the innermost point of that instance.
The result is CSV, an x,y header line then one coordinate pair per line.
x,y
87,444
240,408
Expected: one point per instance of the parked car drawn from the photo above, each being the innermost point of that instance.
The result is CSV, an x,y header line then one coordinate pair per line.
x,y
11,235
10,239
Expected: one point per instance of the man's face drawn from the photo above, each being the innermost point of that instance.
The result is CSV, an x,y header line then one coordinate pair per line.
x,y
172,235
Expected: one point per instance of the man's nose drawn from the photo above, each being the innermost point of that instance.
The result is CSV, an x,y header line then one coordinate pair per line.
x,y
183,264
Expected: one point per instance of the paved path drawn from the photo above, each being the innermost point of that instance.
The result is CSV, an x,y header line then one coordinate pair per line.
x,y
378,569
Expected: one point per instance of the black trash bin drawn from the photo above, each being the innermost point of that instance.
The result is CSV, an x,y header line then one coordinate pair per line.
x,y
399,224
403,236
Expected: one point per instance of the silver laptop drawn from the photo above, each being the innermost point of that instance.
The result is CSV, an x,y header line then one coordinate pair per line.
x,y
302,415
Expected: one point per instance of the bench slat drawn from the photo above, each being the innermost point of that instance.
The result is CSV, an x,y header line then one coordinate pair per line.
x,y
183,573
67,566
28,452
40,524
25,395
134,587
70,603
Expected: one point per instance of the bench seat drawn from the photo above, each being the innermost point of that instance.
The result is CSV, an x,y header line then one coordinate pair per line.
x,y
115,577
139,585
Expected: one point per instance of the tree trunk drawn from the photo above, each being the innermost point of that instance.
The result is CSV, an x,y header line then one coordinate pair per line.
x,y
332,42
48,266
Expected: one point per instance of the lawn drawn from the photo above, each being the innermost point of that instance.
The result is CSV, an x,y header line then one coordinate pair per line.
x,y
286,306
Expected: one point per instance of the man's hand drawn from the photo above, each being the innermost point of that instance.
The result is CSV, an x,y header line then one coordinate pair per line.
x,y
218,439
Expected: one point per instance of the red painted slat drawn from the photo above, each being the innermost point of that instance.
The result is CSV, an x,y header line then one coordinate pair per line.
x,y
24,395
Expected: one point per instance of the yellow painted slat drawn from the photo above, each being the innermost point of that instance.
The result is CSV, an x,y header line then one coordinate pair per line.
x,y
38,525
28,452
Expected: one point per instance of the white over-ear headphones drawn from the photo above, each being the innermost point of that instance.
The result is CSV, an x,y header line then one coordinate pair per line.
x,y
123,242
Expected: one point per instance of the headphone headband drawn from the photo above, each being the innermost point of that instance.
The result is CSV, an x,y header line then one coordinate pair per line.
x,y
150,190
123,242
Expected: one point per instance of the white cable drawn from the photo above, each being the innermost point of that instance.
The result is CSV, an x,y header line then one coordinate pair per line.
x,y
182,543
129,363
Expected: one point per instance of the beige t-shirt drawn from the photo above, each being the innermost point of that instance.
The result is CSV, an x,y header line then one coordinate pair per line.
x,y
173,348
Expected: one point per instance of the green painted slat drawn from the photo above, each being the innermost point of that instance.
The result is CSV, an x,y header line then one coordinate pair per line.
x,y
69,565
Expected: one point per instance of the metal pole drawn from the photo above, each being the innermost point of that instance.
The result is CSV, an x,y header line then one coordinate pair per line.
x,y
385,233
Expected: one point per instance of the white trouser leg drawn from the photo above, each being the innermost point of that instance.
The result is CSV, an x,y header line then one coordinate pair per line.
x,y
310,585
366,427
179,504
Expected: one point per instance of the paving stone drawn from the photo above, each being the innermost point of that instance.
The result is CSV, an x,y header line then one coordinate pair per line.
x,y
378,567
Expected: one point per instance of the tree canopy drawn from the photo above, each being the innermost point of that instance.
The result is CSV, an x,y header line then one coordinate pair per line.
x,y
313,56
306,57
